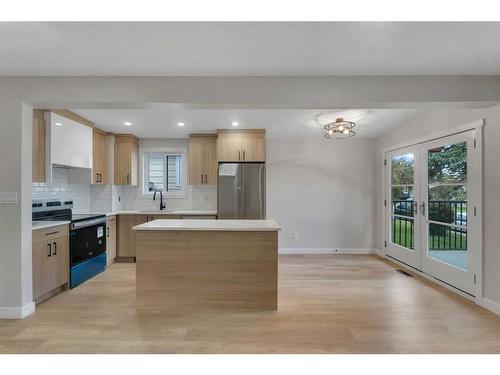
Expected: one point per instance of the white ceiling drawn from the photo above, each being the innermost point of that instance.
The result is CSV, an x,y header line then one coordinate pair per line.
x,y
348,48
162,123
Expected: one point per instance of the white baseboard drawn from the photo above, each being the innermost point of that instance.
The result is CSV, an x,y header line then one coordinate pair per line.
x,y
324,250
17,312
490,305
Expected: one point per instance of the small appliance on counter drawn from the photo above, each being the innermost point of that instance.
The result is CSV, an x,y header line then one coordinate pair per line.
x,y
87,236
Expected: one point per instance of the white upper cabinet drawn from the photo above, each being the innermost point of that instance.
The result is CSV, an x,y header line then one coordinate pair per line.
x,y
69,143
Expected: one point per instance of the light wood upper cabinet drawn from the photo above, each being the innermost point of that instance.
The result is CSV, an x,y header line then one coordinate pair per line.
x,y
203,159
99,158
38,161
50,259
241,145
126,160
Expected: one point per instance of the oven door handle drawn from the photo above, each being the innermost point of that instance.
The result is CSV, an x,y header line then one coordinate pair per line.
x,y
88,223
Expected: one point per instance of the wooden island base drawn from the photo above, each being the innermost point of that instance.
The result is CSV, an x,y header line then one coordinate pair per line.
x,y
228,270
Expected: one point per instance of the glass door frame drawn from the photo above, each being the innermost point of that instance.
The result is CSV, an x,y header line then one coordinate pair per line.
x,y
410,257
475,200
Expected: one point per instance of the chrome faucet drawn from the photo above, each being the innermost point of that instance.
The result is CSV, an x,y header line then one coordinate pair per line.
x,y
162,204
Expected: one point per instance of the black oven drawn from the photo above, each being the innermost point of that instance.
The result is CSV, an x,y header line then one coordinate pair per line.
x,y
87,239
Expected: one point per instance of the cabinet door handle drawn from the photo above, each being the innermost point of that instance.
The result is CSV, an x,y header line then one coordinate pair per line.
x,y
128,179
202,178
100,178
49,249
55,248
205,178
243,155
107,232
239,155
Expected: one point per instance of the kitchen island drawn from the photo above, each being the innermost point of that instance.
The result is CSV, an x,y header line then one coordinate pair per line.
x,y
207,264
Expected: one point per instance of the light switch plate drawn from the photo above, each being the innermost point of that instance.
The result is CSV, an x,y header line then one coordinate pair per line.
x,y
8,197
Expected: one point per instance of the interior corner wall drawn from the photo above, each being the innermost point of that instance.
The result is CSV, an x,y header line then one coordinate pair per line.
x,y
439,120
16,121
322,192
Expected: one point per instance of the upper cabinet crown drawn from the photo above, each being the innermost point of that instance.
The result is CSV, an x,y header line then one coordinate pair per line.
x,y
241,145
126,159
202,159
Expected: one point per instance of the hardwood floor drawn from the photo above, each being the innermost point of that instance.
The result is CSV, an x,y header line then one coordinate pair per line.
x,y
327,304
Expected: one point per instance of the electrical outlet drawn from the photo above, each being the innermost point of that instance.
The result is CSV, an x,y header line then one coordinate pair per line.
x,y
294,235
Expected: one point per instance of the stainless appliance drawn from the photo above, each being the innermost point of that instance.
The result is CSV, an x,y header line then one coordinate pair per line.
x,y
87,249
241,191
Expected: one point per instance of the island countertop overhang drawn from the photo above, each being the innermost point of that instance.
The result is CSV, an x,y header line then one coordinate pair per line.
x,y
209,225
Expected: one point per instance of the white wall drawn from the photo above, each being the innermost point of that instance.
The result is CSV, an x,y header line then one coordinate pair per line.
x,y
322,190
438,120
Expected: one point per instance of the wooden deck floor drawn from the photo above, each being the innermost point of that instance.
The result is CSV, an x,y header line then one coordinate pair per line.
x,y
327,304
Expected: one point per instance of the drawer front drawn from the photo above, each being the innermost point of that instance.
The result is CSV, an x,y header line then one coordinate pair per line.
x,y
48,234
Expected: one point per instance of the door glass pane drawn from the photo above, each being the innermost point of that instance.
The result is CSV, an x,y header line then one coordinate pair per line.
x,y
448,164
403,231
402,167
448,204
448,244
402,200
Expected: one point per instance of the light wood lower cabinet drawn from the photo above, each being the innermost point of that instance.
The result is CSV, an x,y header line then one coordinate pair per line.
x,y
126,236
111,240
50,260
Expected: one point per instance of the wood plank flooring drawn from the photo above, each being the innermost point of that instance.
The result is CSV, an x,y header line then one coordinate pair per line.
x,y
327,304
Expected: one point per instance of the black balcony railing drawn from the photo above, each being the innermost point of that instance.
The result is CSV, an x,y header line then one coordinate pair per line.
x,y
441,237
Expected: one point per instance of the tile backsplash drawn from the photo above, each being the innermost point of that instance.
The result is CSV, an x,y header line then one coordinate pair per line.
x,y
109,198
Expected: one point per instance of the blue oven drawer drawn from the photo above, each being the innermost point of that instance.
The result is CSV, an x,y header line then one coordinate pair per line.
x,y
86,270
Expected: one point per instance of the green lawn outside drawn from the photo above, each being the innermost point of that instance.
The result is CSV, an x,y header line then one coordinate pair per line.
x,y
446,242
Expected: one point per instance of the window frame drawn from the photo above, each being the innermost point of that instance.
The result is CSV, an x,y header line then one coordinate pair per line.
x,y
145,194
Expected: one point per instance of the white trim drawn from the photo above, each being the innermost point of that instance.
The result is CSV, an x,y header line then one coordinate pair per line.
x,y
492,306
17,312
167,150
325,250
474,125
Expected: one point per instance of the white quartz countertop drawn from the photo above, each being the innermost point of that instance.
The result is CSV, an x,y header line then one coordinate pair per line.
x,y
178,212
46,224
210,225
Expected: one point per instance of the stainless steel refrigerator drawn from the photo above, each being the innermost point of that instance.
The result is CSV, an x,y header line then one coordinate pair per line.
x,y
241,191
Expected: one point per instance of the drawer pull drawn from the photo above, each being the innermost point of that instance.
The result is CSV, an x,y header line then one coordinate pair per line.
x,y
48,234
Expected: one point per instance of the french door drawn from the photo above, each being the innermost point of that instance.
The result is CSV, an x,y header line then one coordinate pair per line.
x,y
431,212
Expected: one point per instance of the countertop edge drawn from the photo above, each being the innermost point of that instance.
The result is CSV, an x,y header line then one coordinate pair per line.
x,y
36,225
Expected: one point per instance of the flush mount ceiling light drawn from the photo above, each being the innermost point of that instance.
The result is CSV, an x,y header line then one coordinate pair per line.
x,y
235,123
180,124
127,123
339,129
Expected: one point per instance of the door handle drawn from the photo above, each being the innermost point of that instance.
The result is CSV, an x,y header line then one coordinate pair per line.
x,y
55,248
239,155
415,207
100,177
128,179
107,232
422,208
243,155
206,179
49,248
202,178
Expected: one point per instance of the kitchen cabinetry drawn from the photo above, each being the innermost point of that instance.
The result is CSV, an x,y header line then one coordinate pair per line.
x,y
242,145
110,239
126,160
38,156
50,260
126,236
99,157
203,159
